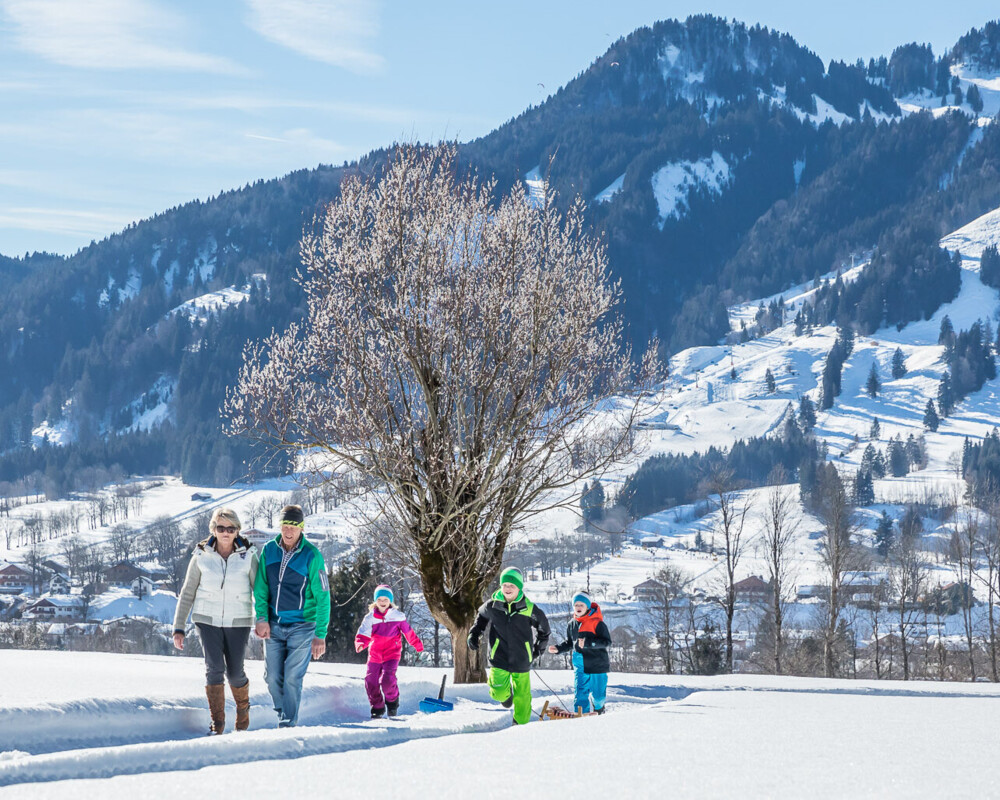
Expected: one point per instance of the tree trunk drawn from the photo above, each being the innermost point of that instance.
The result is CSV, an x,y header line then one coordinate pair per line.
x,y
468,665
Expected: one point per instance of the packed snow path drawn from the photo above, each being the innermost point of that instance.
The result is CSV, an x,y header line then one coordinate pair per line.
x,y
71,726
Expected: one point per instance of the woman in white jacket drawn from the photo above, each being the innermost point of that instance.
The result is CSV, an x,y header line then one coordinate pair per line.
x,y
218,592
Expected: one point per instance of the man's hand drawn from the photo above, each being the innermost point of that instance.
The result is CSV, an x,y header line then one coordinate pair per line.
x,y
179,641
263,629
581,642
318,647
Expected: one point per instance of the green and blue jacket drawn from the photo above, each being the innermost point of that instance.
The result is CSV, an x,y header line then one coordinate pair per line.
x,y
292,588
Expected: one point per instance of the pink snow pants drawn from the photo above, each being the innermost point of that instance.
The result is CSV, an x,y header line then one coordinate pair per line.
x,y
381,680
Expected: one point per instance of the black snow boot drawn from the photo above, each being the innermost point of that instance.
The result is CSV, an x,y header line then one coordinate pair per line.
x,y
600,710
508,702
392,706
377,712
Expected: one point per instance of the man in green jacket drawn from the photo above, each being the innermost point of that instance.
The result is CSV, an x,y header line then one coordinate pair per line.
x,y
518,633
292,605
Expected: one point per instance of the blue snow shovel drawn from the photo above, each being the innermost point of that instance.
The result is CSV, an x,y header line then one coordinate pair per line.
x,y
432,704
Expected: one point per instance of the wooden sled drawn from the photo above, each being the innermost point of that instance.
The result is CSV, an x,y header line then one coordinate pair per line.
x,y
553,712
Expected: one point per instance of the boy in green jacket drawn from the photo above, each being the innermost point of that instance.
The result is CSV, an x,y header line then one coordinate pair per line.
x,y
518,633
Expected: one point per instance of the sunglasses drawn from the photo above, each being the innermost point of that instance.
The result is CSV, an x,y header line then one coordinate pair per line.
x,y
226,529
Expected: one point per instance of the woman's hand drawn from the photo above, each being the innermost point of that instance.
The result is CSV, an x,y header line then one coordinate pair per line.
x,y
553,649
179,641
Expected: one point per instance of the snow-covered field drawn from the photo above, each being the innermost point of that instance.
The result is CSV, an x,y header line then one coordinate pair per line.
x,y
88,725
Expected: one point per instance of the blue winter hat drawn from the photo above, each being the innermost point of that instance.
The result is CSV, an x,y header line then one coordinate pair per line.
x,y
383,591
581,597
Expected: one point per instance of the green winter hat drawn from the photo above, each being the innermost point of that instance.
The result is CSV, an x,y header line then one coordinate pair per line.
x,y
512,575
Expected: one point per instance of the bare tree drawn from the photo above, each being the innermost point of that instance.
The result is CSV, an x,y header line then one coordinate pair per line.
x,y
670,588
990,548
456,352
733,509
780,526
122,542
964,542
839,553
906,579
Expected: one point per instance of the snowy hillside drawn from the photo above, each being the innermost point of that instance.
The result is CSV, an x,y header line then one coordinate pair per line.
x,y
88,725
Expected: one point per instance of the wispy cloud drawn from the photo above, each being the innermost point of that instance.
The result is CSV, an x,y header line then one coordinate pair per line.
x,y
94,225
331,31
107,34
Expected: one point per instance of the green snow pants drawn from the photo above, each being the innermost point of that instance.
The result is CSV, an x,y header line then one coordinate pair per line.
x,y
503,684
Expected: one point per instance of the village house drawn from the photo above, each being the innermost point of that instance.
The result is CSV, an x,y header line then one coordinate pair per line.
x,y
14,579
55,607
754,590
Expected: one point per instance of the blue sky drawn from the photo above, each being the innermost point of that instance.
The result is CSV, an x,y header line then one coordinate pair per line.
x,y
114,110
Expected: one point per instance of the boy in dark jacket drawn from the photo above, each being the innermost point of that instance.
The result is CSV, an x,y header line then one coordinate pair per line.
x,y
588,636
518,633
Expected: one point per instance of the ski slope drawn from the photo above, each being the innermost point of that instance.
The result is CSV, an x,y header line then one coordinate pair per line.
x,y
87,725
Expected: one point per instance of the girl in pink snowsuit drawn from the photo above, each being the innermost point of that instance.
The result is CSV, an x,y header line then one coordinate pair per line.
x,y
382,632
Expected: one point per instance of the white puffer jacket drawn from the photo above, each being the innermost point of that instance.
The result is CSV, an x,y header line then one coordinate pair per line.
x,y
219,591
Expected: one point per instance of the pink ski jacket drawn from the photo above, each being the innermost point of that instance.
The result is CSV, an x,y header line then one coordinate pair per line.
x,y
383,635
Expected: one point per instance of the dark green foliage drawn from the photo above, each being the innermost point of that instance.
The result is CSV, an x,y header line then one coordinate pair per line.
x,y
945,395
873,385
981,469
911,525
974,98
931,420
899,464
898,364
875,431
592,502
883,535
832,371
911,68
864,488
351,587
708,654
807,413
989,267
769,381
664,481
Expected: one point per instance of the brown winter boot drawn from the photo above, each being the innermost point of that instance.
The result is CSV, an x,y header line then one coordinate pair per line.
x,y
241,694
216,707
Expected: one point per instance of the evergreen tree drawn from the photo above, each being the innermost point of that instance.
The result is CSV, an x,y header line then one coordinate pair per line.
x,y
974,98
946,332
959,99
592,502
989,267
945,395
898,364
873,385
864,488
807,413
899,464
931,420
883,535
878,465
875,431
769,380
732,374
351,585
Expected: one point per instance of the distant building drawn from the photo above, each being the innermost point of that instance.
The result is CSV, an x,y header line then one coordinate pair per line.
x,y
648,590
201,497
55,607
651,541
257,537
753,590
14,579
123,573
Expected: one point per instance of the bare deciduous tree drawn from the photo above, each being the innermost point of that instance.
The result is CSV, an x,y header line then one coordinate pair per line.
x,y
780,526
840,556
671,582
456,352
906,579
733,510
